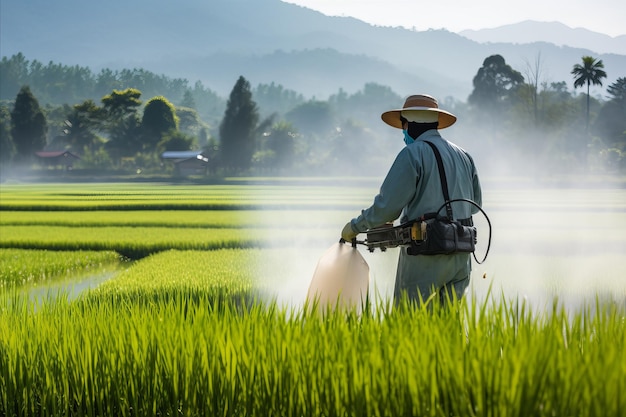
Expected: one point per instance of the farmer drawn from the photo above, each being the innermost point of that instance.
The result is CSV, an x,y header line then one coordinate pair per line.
x,y
412,188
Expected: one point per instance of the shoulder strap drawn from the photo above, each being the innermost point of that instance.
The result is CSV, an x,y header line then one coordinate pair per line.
x,y
444,180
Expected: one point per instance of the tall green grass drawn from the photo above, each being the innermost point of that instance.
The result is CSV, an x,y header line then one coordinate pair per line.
x,y
218,275
99,357
215,219
191,332
128,196
139,242
21,267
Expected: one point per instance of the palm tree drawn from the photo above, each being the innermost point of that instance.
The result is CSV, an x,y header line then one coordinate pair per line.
x,y
590,72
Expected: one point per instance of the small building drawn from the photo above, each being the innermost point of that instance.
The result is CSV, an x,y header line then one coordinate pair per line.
x,y
187,162
57,159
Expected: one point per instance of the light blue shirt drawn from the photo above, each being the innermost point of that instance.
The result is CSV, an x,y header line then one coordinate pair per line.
x,y
412,188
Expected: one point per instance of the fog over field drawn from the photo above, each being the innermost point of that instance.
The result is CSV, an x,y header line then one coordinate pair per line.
x,y
547,243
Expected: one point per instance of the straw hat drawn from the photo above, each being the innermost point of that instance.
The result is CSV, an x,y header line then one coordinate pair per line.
x,y
419,108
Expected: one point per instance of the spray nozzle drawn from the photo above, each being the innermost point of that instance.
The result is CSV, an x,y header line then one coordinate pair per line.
x,y
354,242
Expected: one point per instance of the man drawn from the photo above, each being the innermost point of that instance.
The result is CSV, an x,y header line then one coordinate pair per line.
x,y
412,188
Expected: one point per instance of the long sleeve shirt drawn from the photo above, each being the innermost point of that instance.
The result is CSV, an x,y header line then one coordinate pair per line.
x,y
412,188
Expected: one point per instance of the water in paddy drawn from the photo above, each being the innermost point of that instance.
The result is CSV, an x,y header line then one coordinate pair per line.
x,y
69,289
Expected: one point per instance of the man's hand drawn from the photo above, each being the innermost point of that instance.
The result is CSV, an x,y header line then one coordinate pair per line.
x,y
347,233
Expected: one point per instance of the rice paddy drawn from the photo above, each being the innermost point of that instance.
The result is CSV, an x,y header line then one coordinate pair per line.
x,y
191,322
23,267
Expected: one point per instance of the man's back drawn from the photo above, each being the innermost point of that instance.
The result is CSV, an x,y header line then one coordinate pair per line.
x,y
461,175
412,186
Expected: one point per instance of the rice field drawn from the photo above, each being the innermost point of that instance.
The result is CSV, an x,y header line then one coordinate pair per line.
x,y
24,267
204,314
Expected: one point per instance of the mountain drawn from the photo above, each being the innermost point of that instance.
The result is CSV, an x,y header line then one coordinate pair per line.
x,y
530,31
216,41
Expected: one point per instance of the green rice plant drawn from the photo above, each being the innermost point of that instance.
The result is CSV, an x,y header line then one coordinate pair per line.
x,y
173,218
187,332
138,242
60,197
219,275
164,358
21,267
546,363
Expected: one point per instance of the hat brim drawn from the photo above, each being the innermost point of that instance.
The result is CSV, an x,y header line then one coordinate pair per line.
x,y
392,117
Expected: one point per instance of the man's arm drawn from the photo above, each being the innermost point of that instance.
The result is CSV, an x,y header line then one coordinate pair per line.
x,y
396,192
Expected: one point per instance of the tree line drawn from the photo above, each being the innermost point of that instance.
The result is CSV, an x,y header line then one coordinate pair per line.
x,y
270,129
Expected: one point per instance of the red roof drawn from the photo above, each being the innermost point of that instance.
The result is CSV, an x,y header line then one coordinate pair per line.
x,y
55,154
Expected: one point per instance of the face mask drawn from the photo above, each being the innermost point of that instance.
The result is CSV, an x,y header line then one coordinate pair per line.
x,y
407,139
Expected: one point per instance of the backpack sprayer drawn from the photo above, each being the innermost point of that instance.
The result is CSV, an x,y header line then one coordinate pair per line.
x,y
432,233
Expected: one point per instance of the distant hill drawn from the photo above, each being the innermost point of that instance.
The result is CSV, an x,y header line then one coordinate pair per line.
x,y
266,41
553,32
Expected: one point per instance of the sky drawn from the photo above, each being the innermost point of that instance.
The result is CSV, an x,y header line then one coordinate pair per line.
x,y
603,16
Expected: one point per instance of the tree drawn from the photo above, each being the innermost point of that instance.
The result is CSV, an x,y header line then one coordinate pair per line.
x,y
28,124
610,125
105,81
122,104
273,98
312,117
238,128
556,105
611,120
82,123
7,147
175,140
13,74
281,141
493,83
122,122
209,104
533,77
188,121
159,118
188,100
348,152
590,72
617,91
364,103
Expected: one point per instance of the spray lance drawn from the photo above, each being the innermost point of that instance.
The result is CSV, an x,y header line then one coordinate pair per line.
x,y
431,234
